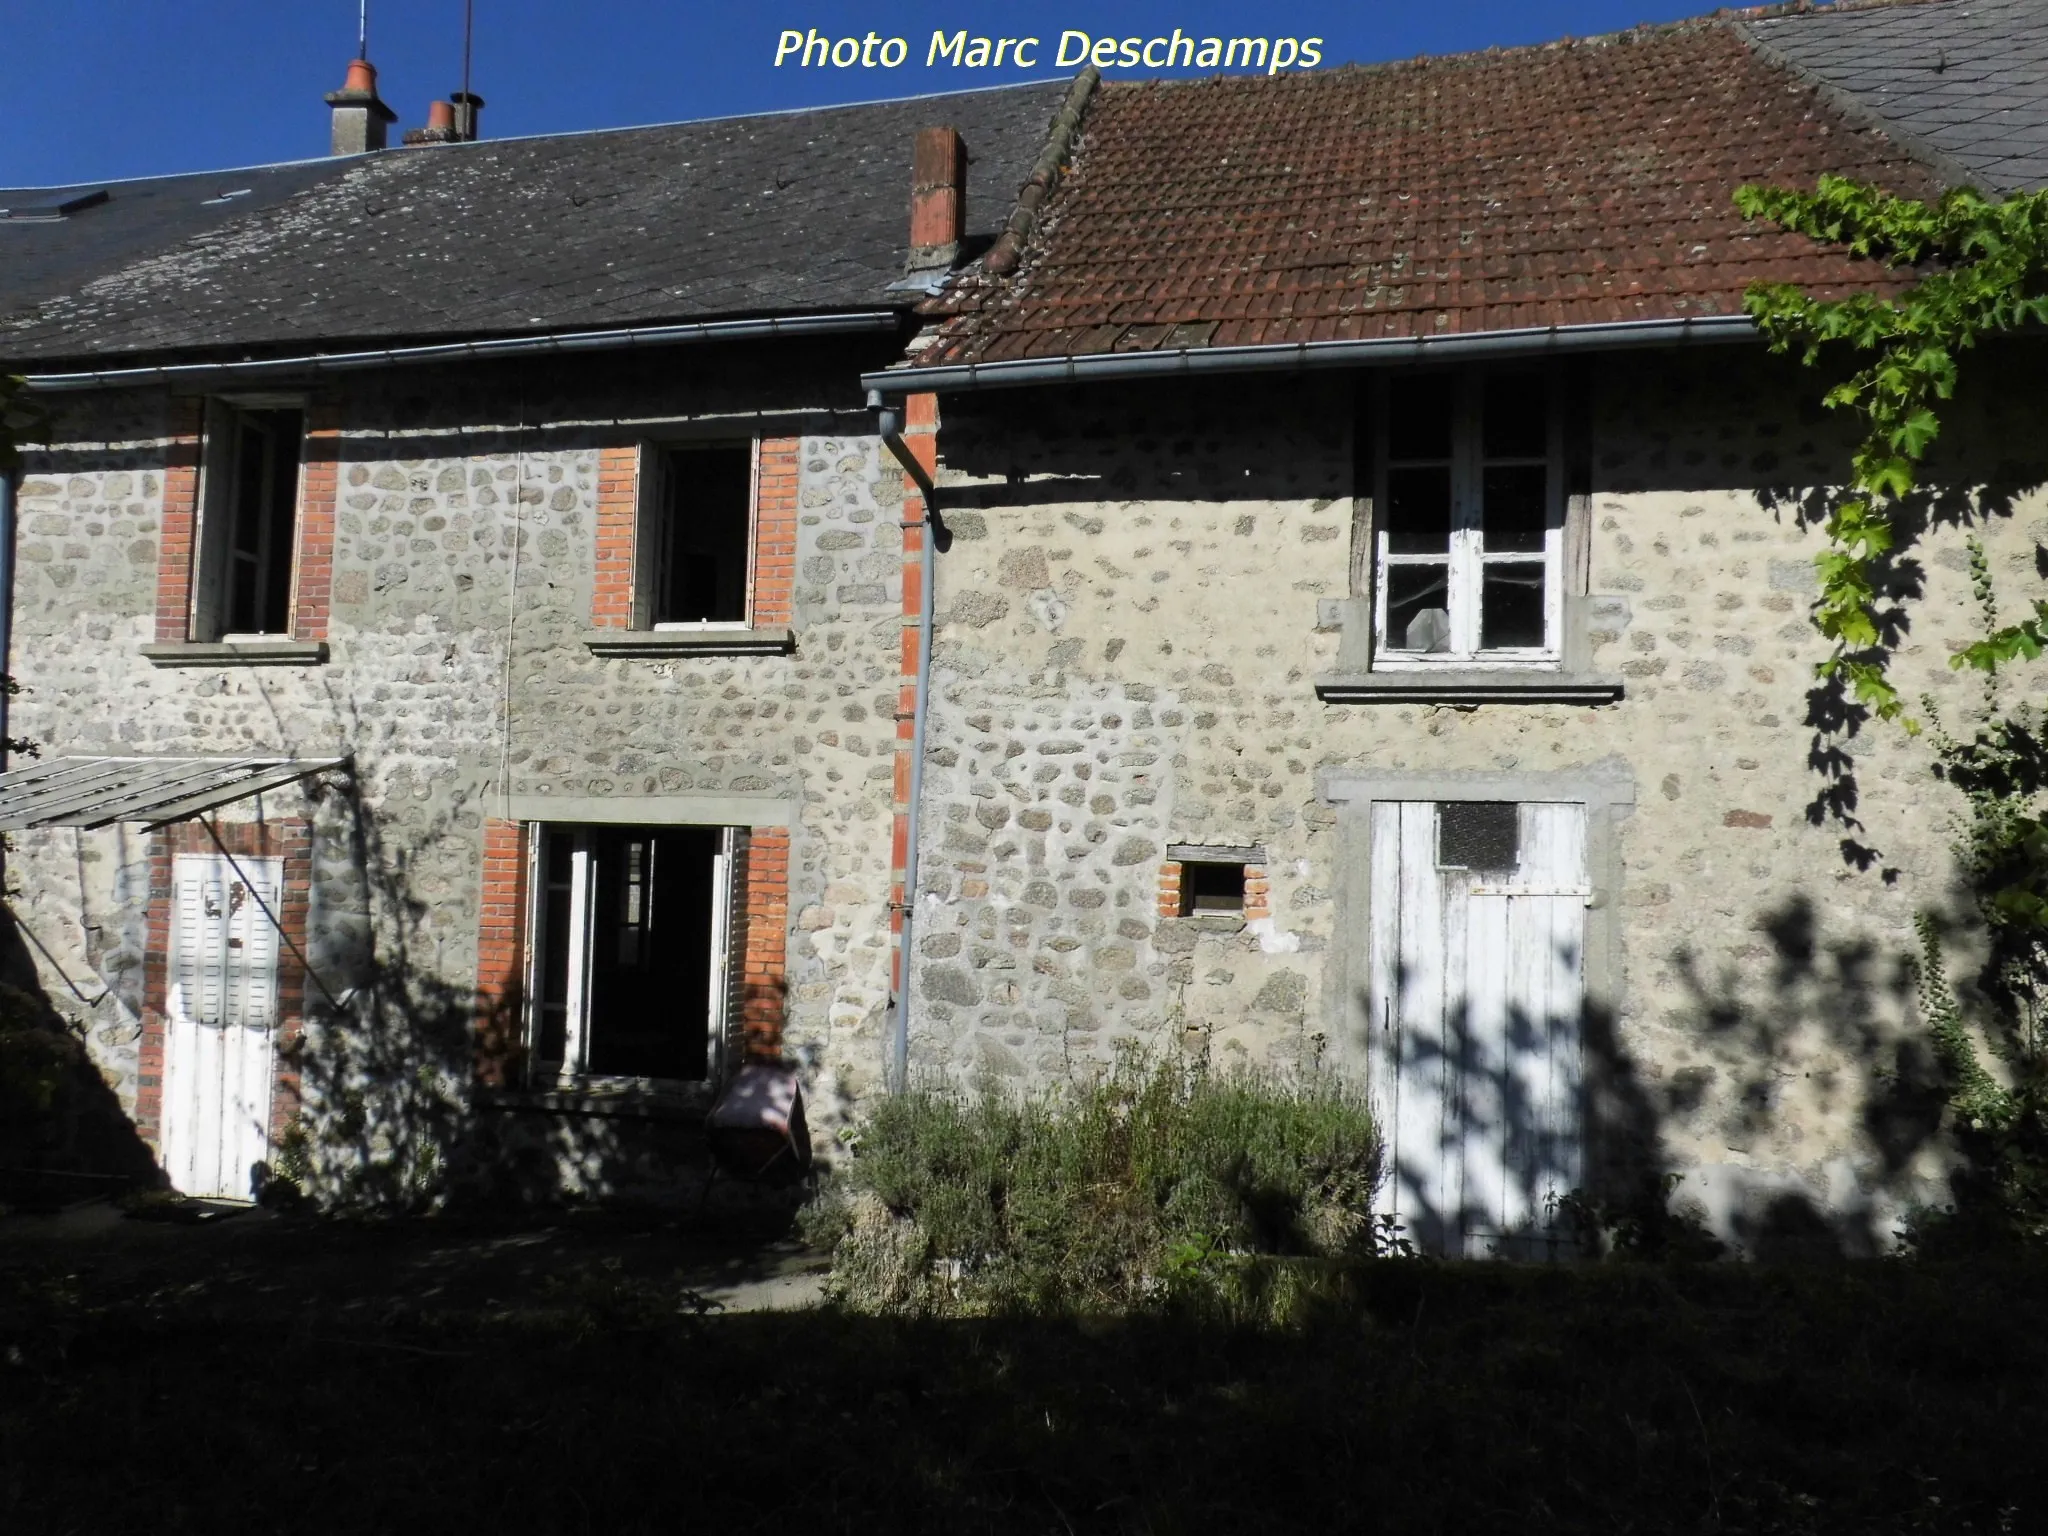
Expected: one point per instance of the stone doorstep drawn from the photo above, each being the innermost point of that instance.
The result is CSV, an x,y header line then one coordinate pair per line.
x,y
629,1099
245,653
770,641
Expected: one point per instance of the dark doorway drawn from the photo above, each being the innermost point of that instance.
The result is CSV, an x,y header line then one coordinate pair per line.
x,y
632,933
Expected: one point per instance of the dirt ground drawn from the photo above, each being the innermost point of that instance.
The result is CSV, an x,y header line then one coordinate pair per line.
x,y
344,1268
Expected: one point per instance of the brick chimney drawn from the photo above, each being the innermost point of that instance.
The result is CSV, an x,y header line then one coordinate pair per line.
x,y
360,116
938,198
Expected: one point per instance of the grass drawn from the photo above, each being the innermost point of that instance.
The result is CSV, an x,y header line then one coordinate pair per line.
x,y
1413,1396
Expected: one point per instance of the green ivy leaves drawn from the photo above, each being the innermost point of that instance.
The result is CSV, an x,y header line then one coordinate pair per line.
x,y
1981,267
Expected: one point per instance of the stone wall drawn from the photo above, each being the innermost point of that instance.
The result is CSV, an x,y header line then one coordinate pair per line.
x,y
1132,614
462,589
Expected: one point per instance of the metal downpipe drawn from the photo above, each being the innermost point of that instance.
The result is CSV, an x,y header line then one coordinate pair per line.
x,y
890,425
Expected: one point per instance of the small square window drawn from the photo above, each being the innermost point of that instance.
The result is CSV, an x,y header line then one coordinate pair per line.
x,y
1212,890
1480,835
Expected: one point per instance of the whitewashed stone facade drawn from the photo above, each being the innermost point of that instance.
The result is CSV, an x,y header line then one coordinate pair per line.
x,y
463,572
1139,597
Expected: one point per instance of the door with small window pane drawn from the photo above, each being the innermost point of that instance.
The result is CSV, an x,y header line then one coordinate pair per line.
x,y
1477,991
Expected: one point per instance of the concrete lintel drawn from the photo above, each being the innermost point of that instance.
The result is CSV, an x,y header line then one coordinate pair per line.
x,y
1609,781
654,810
237,653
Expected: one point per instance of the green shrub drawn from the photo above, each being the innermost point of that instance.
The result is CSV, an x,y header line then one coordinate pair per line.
x,y
1159,1181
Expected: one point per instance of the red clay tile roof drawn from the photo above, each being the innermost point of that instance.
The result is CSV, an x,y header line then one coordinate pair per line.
x,y
1569,184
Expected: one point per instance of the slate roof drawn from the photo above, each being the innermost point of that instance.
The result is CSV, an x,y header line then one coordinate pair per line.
x,y
1567,184
44,259
783,213
1968,79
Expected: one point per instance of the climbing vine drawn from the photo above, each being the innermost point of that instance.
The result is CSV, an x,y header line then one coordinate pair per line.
x,y
1980,267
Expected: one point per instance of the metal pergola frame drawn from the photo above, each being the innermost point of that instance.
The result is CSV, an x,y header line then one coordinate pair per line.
x,y
153,791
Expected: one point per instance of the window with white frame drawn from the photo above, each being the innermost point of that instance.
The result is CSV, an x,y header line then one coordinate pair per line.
x,y
249,523
696,543
627,966
1468,503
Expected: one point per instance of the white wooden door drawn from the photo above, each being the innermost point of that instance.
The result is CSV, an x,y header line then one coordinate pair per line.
x,y
1476,997
221,1021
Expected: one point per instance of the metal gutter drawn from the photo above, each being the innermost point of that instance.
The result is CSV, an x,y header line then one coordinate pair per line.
x,y
1378,351
857,322
889,425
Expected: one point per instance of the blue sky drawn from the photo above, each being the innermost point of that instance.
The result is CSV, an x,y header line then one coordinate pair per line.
x,y
101,89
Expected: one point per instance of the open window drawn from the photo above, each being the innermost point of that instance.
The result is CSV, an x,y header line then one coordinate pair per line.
x,y
628,970
249,523
696,540
1469,508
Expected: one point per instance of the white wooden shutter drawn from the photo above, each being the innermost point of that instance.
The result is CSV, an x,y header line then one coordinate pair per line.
x,y
222,1008
227,947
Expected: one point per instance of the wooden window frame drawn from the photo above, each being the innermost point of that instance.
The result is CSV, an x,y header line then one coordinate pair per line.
x,y
1466,559
652,525
206,618
572,1073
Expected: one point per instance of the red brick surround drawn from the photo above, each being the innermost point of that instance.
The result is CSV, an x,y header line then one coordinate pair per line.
x,y
289,839
772,581
1257,892
618,498
313,588
760,941
759,944
177,547
501,955
178,522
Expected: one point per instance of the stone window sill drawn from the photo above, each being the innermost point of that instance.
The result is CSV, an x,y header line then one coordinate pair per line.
x,y
1466,686
1224,923
237,653
691,642
617,1098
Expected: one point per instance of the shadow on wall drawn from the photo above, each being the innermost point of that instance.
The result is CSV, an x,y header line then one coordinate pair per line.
x,y
398,1066
1797,1032
63,1134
